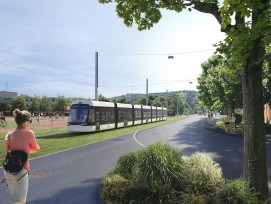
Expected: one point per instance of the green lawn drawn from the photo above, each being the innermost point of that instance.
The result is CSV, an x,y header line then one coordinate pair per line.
x,y
61,140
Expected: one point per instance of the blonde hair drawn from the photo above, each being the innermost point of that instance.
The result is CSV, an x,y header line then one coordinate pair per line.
x,y
21,116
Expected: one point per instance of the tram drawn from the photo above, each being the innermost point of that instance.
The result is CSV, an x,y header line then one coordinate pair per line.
x,y
93,116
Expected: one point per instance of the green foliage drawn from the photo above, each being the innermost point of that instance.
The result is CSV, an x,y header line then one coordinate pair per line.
x,y
203,174
236,192
160,164
193,198
102,98
127,164
156,169
116,189
144,13
159,174
19,102
35,105
219,86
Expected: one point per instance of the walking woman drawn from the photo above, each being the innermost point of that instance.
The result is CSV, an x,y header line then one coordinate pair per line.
x,y
22,138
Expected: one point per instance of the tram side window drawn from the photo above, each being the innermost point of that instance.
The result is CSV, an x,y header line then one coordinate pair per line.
x,y
159,113
129,115
97,115
137,114
104,115
122,115
107,116
154,113
91,116
125,114
147,114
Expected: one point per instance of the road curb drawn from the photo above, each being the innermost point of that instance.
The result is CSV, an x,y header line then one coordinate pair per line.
x,y
219,130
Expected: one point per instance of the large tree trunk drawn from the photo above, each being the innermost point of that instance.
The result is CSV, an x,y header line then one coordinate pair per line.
x,y
255,164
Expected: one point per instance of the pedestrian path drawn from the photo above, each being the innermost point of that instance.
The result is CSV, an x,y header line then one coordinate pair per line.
x,y
211,125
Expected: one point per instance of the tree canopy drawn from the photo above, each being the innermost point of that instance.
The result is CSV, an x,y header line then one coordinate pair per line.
x,y
219,88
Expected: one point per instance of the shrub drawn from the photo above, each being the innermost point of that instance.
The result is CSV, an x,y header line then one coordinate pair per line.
x,y
235,192
193,198
202,173
161,164
160,168
159,174
127,164
115,189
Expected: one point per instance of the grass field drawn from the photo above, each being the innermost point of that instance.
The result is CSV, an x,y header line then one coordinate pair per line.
x,y
56,139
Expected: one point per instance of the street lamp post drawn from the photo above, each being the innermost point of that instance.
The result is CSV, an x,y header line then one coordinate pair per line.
x,y
147,92
96,76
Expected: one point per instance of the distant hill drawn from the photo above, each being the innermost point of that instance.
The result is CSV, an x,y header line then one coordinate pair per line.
x,y
135,96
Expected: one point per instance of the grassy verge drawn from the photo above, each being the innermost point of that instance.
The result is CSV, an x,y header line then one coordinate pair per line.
x,y
238,129
62,140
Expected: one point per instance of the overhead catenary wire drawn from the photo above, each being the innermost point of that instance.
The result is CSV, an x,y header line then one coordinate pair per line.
x,y
40,61
106,81
151,84
154,54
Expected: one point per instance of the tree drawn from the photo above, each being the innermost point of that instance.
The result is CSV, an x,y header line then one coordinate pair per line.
x,y
247,27
18,102
159,101
35,105
223,86
45,105
102,98
60,104
141,100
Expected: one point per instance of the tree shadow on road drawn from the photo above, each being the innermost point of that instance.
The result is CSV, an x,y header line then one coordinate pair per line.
x,y
86,192
226,150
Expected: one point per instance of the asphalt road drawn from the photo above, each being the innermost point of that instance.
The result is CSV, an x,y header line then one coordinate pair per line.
x,y
73,176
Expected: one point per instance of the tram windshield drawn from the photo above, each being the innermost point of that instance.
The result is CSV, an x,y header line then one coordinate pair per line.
x,y
78,113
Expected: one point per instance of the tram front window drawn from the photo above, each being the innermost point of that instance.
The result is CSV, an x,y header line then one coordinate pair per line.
x,y
78,114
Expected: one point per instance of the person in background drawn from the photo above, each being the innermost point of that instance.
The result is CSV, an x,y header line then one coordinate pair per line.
x,y
227,122
22,138
2,118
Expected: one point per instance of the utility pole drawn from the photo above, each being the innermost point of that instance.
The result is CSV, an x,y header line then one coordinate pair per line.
x,y
167,98
147,94
6,88
177,106
96,76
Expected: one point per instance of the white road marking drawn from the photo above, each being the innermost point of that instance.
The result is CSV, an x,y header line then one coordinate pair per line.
x,y
137,139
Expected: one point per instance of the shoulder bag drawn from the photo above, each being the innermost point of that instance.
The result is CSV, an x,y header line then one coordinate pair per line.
x,y
15,160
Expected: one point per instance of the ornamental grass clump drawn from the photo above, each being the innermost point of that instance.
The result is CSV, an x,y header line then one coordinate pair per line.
x,y
127,165
116,189
159,174
203,174
150,176
160,164
235,192
160,169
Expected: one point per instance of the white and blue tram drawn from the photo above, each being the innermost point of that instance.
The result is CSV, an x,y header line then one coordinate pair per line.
x,y
92,116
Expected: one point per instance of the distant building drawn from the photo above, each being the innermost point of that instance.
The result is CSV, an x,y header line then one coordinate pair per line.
x,y
6,96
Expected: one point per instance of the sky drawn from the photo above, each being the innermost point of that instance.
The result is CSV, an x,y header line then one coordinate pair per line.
x,y
47,48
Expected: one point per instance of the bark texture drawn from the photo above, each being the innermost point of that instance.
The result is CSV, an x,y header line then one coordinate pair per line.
x,y
255,164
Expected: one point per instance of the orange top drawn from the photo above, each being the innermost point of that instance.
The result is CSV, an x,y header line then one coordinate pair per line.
x,y
22,139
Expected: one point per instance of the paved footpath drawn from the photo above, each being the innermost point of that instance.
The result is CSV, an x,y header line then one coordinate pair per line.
x,y
211,125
